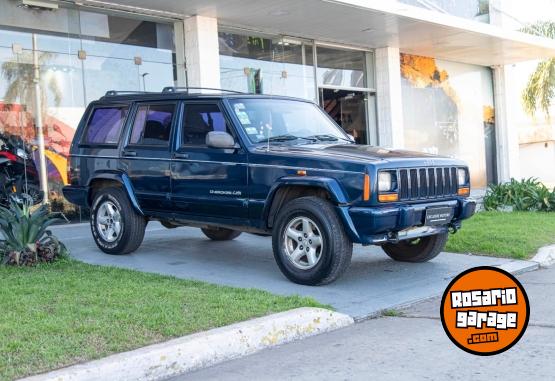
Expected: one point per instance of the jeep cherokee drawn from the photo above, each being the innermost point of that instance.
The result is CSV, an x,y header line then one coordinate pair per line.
x,y
228,163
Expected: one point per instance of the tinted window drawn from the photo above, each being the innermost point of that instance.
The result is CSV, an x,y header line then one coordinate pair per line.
x,y
199,120
105,125
152,124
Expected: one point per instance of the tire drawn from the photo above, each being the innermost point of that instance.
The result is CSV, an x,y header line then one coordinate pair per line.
x,y
131,224
220,234
417,250
329,259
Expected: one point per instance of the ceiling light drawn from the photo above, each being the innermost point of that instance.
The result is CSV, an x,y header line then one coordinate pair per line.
x,y
279,12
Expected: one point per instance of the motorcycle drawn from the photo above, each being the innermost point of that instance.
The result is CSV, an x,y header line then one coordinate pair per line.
x,y
19,177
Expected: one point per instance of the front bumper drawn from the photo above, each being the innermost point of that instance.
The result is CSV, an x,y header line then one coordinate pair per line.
x,y
376,225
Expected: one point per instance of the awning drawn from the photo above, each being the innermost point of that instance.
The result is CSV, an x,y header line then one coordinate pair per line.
x,y
366,24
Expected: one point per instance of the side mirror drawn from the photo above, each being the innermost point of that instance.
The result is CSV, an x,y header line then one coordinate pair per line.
x,y
220,139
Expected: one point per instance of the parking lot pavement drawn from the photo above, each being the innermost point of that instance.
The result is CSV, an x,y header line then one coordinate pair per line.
x,y
372,283
412,346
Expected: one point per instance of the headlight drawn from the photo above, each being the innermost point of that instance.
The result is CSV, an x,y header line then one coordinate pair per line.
x,y
462,177
21,153
385,181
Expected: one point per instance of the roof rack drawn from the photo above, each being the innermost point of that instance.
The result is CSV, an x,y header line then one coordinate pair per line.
x,y
111,93
174,89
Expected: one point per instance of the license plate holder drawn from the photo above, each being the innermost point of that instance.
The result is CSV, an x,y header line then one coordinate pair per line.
x,y
438,216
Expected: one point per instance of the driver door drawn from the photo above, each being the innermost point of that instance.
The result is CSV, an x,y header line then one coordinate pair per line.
x,y
208,182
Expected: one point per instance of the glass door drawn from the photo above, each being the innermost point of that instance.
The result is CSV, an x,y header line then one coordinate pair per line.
x,y
348,109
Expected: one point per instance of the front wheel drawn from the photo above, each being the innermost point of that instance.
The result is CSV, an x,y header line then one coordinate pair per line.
x,y
309,242
417,250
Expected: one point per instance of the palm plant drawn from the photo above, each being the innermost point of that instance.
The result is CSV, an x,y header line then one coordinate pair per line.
x,y
20,76
27,240
540,88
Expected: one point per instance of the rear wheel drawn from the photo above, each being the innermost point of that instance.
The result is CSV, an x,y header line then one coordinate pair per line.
x,y
417,250
220,234
309,243
116,227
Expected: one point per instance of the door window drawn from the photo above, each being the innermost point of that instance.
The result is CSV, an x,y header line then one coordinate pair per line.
x,y
152,125
199,120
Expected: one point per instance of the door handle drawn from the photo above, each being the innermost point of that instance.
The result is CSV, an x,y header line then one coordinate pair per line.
x,y
180,155
129,153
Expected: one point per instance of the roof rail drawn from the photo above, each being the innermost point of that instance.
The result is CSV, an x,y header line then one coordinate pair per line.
x,y
111,93
174,89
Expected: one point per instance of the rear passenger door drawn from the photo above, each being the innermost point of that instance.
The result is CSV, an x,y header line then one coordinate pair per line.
x,y
208,182
146,155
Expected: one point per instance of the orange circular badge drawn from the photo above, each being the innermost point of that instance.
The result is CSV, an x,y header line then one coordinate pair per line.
x,y
485,310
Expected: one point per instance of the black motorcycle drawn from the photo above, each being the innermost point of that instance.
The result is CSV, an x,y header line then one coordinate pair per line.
x,y
19,176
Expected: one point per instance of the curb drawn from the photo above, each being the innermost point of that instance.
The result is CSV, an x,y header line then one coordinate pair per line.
x,y
188,353
545,257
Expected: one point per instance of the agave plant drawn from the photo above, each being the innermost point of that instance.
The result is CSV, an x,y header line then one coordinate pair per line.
x,y
26,238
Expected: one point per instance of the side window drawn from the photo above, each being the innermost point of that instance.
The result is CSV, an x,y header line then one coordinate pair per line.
x,y
105,125
152,125
200,119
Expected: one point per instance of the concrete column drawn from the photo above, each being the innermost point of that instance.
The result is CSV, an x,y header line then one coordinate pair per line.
x,y
202,51
388,92
508,161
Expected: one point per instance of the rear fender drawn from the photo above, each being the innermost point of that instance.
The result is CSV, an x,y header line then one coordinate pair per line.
x,y
125,182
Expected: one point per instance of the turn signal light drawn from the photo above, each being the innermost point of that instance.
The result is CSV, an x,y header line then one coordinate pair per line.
x,y
388,197
366,191
301,172
464,191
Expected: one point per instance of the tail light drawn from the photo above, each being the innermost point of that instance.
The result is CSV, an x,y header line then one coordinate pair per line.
x,y
67,180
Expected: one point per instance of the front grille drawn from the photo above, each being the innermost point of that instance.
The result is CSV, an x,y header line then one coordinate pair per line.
x,y
427,183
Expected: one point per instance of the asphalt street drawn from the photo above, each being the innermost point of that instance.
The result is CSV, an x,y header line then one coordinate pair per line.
x,y
411,346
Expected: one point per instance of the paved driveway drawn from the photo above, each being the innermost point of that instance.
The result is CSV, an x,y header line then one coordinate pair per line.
x,y
372,283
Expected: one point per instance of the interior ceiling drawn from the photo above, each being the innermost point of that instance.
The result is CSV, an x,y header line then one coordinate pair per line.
x,y
368,24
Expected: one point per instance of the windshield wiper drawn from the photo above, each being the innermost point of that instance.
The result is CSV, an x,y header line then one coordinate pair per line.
x,y
287,137
329,138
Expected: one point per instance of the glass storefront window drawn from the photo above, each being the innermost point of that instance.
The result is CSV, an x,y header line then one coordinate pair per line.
x,y
122,53
278,66
340,68
448,110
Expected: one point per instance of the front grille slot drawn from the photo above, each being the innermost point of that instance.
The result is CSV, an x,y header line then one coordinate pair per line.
x,y
427,183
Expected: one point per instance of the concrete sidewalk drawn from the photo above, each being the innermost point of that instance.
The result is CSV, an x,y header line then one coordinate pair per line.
x,y
411,347
373,282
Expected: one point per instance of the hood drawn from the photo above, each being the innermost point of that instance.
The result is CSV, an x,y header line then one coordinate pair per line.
x,y
356,152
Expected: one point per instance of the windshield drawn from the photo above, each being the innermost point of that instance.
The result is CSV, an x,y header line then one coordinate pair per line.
x,y
279,120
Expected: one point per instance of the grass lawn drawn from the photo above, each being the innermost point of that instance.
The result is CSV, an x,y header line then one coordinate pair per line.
x,y
513,235
68,312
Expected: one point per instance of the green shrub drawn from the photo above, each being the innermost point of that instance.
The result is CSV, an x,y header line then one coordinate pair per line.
x,y
525,195
26,238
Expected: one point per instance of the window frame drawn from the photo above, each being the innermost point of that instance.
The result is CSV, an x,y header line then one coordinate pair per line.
x,y
86,144
180,131
133,117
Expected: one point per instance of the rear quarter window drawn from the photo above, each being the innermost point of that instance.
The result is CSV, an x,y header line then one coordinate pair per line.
x,y
105,125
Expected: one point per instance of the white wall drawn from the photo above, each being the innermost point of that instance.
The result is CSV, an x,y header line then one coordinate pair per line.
x,y
533,132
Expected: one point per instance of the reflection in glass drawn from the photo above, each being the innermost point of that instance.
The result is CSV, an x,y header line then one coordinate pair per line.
x,y
278,66
67,83
338,67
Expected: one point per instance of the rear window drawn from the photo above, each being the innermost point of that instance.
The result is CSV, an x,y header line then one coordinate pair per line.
x,y
105,125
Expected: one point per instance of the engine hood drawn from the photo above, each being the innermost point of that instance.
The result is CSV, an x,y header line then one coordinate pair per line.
x,y
360,153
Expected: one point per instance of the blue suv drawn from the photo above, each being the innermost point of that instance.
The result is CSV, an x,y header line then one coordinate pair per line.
x,y
276,166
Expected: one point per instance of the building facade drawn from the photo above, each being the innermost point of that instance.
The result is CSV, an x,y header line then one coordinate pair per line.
x,y
429,75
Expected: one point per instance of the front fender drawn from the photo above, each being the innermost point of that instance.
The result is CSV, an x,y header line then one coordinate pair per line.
x,y
332,186
125,182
